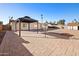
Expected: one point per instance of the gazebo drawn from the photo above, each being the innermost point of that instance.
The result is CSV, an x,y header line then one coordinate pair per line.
x,y
28,20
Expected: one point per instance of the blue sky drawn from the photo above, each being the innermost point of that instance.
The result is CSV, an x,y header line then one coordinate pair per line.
x,y
50,11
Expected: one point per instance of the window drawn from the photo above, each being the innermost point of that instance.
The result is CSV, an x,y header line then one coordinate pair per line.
x,y
24,25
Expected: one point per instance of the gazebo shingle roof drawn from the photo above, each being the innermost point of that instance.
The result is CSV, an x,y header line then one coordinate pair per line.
x,y
26,19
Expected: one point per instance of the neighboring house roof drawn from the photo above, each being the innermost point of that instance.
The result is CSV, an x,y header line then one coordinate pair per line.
x,y
26,19
73,24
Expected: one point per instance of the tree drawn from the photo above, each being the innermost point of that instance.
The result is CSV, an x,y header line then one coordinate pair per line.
x,y
78,21
62,22
50,22
75,21
46,22
12,17
54,23
1,22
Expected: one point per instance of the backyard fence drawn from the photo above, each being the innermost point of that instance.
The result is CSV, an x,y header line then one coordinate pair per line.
x,y
1,27
6,27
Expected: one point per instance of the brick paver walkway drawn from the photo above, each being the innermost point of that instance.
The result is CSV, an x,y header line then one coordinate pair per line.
x,y
32,43
12,45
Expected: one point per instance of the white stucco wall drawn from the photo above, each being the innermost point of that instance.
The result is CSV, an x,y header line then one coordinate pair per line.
x,y
75,28
22,27
32,26
72,27
12,25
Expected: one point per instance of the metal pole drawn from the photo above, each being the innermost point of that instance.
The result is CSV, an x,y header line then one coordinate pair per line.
x,y
45,30
42,21
15,26
19,28
37,27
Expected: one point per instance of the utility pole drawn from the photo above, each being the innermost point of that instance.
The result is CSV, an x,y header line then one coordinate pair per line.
x,y
46,27
42,21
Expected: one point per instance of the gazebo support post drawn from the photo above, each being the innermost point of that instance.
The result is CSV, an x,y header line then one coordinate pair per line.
x,y
28,26
9,25
45,30
37,27
19,28
15,26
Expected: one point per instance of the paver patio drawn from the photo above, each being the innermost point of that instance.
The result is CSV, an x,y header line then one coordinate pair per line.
x,y
35,44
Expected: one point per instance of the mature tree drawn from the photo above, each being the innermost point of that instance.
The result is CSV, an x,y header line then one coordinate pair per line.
x,y
78,21
1,22
50,22
75,21
62,22
46,22
54,23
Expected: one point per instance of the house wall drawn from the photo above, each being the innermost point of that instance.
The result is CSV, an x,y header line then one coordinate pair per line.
x,y
73,27
12,24
24,26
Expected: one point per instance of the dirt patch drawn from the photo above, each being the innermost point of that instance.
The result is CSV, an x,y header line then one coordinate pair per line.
x,y
2,34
